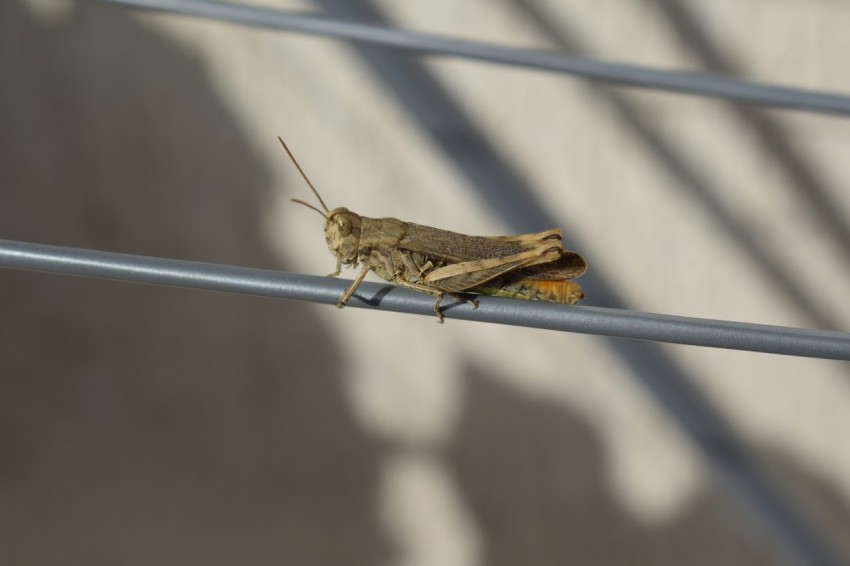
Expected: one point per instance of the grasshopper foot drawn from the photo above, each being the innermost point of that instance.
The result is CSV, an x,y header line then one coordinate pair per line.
x,y
439,312
437,309
458,297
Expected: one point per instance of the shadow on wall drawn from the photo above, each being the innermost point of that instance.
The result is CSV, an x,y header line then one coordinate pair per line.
x,y
141,424
536,481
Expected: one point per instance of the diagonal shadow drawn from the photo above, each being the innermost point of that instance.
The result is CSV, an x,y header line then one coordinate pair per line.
x,y
140,424
771,136
545,468
505,190
698,187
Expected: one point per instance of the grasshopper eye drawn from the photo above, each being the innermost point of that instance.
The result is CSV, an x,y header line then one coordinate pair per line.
x,y
344,225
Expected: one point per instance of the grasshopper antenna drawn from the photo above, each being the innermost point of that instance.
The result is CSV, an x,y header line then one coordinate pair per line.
x,y
315,192
299,201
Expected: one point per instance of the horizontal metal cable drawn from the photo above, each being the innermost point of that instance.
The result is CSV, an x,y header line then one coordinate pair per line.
x,y
630,75
583,319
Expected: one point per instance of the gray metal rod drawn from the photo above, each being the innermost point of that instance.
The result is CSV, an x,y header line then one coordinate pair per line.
x,y
584,319
630,75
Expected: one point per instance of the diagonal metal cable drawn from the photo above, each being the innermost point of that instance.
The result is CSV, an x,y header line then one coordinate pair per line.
x,y
628,75
689,179
279,284
805,178
503,188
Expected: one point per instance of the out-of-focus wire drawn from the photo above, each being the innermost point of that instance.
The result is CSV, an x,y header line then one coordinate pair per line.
x,y
629,75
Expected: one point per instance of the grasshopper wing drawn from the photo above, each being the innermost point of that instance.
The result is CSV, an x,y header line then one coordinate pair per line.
x,y
442,246
569,266
469,274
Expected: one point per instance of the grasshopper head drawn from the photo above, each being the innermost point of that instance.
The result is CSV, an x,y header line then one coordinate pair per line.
x,y
342,233
342,227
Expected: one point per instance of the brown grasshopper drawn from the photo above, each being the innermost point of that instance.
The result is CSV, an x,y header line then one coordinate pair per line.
x,y
528,266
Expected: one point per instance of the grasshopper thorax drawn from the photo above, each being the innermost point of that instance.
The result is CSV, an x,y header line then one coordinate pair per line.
x,y
342,233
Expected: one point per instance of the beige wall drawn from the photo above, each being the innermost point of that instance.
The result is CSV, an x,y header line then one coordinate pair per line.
x,y
152,425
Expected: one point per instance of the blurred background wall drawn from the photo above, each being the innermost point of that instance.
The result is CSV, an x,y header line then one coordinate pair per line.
x,y
147,425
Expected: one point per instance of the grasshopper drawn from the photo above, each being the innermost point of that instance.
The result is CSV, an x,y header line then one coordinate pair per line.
x,y
527,266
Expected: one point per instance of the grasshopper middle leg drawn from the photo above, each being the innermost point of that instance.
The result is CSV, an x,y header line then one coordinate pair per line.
x,y
454,296
399,279
439,294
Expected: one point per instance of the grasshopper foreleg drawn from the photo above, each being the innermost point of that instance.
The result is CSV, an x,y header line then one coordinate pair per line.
x,y
354,284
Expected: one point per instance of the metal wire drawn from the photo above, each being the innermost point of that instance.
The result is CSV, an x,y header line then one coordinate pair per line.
x,y
508,194
719,445
630,75
587,320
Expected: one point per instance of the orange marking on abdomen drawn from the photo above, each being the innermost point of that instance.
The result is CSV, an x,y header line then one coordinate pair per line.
x,y
553,291
562,291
